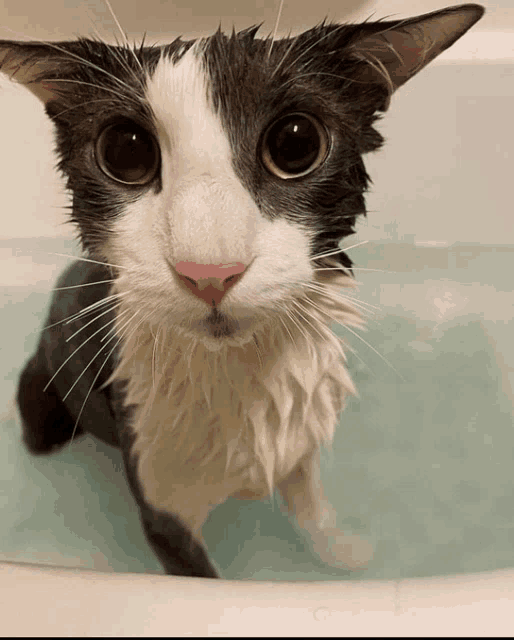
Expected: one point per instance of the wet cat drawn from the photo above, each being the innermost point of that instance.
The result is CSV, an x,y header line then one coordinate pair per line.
x,y
212,181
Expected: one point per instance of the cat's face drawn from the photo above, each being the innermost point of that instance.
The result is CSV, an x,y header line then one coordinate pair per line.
x,y
238,168
213,174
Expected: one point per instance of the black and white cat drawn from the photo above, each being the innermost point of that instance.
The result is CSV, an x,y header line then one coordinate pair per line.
x,y
212,181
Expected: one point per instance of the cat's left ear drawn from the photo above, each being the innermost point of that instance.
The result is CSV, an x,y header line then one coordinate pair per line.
x,y
397,50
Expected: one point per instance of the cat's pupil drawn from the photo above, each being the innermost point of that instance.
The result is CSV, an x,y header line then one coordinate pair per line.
x,y
294,145
127,153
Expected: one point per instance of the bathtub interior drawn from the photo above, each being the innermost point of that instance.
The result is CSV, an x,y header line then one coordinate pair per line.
x,y
421,462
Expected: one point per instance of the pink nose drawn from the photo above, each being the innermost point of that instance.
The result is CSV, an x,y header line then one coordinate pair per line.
x,y
209,282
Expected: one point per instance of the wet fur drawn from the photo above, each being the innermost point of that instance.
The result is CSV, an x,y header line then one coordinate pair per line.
x,y
238,399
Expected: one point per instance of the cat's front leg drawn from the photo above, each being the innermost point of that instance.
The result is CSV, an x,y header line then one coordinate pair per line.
x,y
177,549
180,552
304,496
47,423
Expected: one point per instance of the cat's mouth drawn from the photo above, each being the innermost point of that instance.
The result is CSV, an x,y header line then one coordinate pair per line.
x,y
218,325
218,328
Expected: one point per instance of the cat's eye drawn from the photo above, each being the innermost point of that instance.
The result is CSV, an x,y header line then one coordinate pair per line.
x,y
294,146
128,153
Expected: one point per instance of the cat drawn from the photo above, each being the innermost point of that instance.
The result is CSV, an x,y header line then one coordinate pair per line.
x,y
212,181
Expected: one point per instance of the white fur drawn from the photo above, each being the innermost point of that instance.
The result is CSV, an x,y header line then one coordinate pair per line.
x,y
233,416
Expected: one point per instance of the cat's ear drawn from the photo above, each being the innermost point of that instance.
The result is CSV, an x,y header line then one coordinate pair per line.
x,y
37,65
397,50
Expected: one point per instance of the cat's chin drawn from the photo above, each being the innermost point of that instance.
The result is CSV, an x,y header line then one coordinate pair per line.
x,y
218,331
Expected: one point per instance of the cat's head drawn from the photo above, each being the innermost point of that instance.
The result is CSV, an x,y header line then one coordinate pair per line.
x,y
223,167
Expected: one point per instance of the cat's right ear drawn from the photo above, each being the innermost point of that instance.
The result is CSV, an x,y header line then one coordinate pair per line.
x,y
39,66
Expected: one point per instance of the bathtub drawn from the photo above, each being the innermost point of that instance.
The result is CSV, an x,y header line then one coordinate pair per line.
x,y
421,462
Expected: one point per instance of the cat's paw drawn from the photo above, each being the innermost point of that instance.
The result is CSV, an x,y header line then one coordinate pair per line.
x,y
339,550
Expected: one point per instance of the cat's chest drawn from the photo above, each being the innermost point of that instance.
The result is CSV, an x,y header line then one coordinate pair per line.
x,y
208,427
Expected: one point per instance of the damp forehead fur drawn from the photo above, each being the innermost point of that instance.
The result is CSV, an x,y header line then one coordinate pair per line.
x,y
201,194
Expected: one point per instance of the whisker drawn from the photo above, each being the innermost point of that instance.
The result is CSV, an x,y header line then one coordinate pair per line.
x,y
348,347
366,269
335,295
274,35
95,86
82,104
257,350
340,250
321,73
87,63
72,257
344,343
154,352
94,381
111,331
322,311
93,24
114,329
305,51
380,68
291,317
88,323
89,309
284,323
346,326
89,392
284,57
339,268
115,297
75,351
81,259
373,349
303,309
346,297
114,51
93,358
123,34
346,300
86,284
119,81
